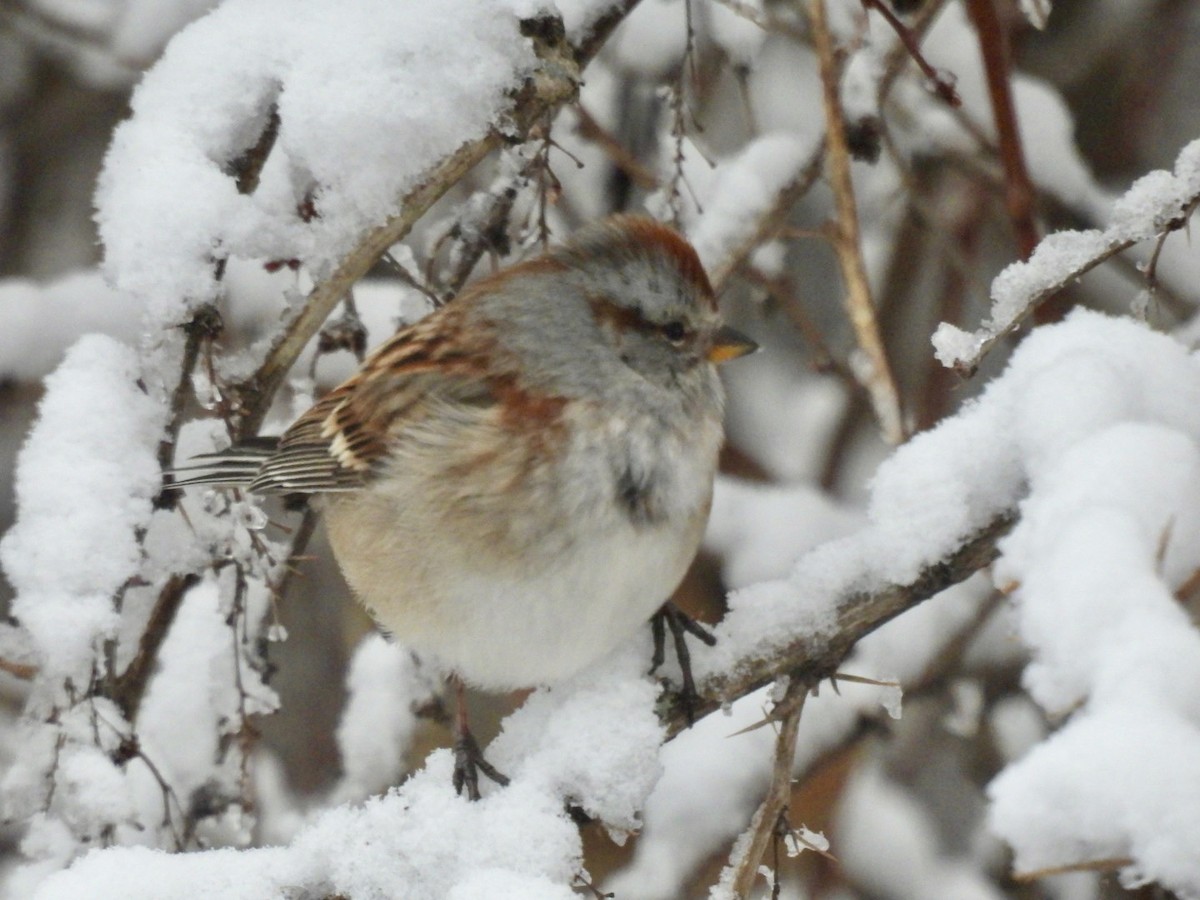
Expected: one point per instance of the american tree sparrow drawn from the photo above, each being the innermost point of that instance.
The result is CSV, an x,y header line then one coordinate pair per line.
x,y
515,483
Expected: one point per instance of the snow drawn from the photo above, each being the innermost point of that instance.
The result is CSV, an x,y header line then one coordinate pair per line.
x,y
592,741
739,191
1095,425
195,694
356,132
42,320
1036,11
579,16
1109,528
84,482
384,686
651,40
759,530
887,844
736,30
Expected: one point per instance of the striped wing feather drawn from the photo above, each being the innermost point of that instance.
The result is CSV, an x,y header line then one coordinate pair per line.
x,y
339,443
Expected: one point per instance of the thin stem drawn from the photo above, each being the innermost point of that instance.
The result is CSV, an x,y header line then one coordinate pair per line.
x,y
130,687
1019,192
591,130
764,824
876,375
941,85
773,219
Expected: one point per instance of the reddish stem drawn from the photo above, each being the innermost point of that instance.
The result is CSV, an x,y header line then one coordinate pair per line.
x,y
1019,193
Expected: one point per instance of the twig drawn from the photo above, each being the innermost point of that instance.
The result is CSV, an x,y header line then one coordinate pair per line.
x,y
772,220
1151,270
478,231
591,130
764,823
130,686
1019,191
24,671
877,377
247,168
206,325
987,337
857,616
203,327
549,188
823,360
1092,865
965,223
939,83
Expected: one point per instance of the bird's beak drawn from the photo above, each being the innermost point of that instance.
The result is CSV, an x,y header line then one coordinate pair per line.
x,y
729,344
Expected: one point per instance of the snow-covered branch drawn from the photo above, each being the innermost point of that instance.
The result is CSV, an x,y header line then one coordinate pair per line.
x,y
1157,204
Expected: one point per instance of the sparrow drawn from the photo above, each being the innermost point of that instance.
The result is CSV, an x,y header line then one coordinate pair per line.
x,y
515,483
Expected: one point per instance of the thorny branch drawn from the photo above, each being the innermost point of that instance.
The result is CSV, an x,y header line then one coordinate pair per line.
x,y
809,660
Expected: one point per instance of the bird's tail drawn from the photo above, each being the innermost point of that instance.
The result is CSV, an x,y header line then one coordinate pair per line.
x,y
236,467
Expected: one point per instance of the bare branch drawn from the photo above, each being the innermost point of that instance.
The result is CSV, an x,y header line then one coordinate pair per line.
x,y
877,377
910,40
1019,191
130,687
763,829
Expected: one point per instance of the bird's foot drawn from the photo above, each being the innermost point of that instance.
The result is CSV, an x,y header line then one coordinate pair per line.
x,y
468,763
671,617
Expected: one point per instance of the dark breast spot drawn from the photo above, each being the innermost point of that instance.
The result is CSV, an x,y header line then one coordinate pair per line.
x,y
636,497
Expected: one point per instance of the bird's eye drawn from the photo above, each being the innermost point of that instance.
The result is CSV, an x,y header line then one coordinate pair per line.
x,y
674,331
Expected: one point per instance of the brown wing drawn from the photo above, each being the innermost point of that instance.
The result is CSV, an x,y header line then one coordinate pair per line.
x,y
340,442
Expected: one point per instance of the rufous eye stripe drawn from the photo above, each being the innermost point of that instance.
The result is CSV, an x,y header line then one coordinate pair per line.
x,y
607,312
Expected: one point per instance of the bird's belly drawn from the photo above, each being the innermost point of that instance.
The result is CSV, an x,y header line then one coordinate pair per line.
x,y
509,621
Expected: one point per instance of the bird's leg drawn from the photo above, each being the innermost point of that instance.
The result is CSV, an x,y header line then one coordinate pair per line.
x,y
468,758
670,616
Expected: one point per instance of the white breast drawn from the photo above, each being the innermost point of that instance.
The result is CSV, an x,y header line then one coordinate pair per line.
x,y
514,616
503,630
